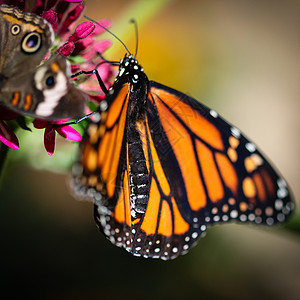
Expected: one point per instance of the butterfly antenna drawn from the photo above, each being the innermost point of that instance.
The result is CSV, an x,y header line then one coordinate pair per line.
x,y
136,36
112,62
109,33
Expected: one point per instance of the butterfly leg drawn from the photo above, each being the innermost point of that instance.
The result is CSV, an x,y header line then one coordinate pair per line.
x,y
103,88
85,117
95,71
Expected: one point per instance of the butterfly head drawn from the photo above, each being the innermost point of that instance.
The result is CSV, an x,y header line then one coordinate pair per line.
x,y
132,74
130,68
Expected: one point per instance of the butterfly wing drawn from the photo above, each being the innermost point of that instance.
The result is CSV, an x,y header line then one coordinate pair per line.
x,y
24,41
45,92
100,171
220,174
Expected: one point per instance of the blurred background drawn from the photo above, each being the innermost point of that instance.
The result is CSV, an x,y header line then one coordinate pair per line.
x,y
239,57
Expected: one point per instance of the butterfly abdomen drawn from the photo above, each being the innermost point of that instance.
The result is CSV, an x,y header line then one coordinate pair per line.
x,y
138,173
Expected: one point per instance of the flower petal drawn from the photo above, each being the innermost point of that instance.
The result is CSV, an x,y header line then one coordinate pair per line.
x,y
8,137
49,140
105,23
51,17
84,29
39,124
75,68
66,49
71,18
101,46
69,133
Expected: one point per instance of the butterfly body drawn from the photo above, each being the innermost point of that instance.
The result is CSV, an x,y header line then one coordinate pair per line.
x,y
42,91
137,104
161,167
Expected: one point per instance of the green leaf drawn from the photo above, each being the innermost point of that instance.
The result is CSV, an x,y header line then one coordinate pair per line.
x,y
76,59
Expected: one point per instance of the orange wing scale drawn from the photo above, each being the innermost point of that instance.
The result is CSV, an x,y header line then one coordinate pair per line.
x,y
122,210
228,173
191,118
210,173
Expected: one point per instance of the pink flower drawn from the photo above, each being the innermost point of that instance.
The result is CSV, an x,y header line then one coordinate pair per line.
x,y
51,128
82,31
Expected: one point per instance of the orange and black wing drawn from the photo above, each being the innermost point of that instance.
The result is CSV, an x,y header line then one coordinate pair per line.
x,y
99,173
200,171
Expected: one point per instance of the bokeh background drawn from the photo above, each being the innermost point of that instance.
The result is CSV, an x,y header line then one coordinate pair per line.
x,y
240,58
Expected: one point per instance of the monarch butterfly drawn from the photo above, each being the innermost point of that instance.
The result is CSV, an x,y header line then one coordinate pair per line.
x,y
160,167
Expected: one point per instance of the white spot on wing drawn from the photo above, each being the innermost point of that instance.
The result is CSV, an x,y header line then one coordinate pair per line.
x,y
282,193
250,147
233,214
194,235
203,228
235,132
281,183
38,77
213,113
52,96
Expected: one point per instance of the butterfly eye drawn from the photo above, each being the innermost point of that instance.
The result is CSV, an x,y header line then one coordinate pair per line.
x,y
15,29
31,43
50,81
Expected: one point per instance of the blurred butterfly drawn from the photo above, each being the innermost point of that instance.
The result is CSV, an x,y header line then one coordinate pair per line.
x,y
44,91
161,167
